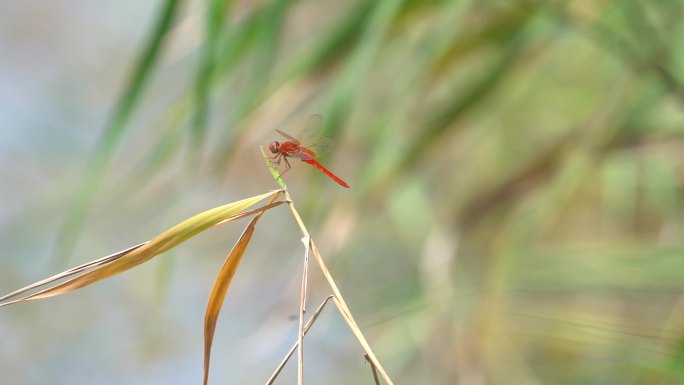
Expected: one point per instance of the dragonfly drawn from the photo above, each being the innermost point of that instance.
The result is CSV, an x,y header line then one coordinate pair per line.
x,y
307,148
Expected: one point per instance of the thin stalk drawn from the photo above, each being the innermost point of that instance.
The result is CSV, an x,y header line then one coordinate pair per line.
x,y
289,354
338,299
302,309
346,314
375,371
302,300
295,213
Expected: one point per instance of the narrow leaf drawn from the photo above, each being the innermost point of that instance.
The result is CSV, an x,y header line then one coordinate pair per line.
x,y
219,290
134,256
72,271
116,128
273,169
214,21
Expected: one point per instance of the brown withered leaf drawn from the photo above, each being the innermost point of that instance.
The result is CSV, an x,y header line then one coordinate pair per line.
x,y
116,263
219,290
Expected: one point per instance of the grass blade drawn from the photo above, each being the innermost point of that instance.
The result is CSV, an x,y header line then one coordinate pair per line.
x,y
114,131
214,20
334,46
373,32
442,120
266,37
134,256
273,169
72,271
219,290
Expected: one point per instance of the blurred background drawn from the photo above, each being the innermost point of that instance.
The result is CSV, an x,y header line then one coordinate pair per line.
x,y
515,213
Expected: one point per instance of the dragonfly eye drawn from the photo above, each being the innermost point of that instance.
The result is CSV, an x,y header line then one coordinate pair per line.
x,y
274,147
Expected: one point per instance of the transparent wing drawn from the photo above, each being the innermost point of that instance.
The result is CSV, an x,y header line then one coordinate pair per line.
x,y
312,129
288,137
311,136
312,143
322,145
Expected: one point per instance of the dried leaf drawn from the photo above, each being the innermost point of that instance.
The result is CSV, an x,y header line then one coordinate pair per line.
x,y
219,290
117,263
73,271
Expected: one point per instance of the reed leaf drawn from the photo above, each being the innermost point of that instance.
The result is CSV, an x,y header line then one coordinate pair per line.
x,y
219,290
122,261
273,169
215,18
116,128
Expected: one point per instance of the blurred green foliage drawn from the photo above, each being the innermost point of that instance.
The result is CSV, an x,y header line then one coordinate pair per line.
x,y
516,168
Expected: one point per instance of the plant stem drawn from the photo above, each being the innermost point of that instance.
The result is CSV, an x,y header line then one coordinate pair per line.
x,y
338,299
302,309
308,325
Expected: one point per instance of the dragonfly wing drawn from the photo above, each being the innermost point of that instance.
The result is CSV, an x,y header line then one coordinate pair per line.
x,y
312,128
288,136
309,142
322,146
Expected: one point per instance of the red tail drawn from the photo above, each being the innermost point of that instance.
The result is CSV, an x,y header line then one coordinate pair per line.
x,y
332,176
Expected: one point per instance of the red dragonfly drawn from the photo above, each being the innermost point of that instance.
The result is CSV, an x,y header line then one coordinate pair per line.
x,y
293,148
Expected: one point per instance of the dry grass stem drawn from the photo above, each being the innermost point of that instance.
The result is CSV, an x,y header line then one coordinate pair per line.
x,y
302,309
346,314
289,354
375,371
337,297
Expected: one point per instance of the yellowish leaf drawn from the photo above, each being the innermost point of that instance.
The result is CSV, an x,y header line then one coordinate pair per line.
x,y
219,290
122,261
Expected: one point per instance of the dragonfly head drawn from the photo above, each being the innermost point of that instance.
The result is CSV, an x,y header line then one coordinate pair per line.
x,y
274,147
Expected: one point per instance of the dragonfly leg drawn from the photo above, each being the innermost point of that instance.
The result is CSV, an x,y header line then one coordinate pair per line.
x,y
287,166
275,159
